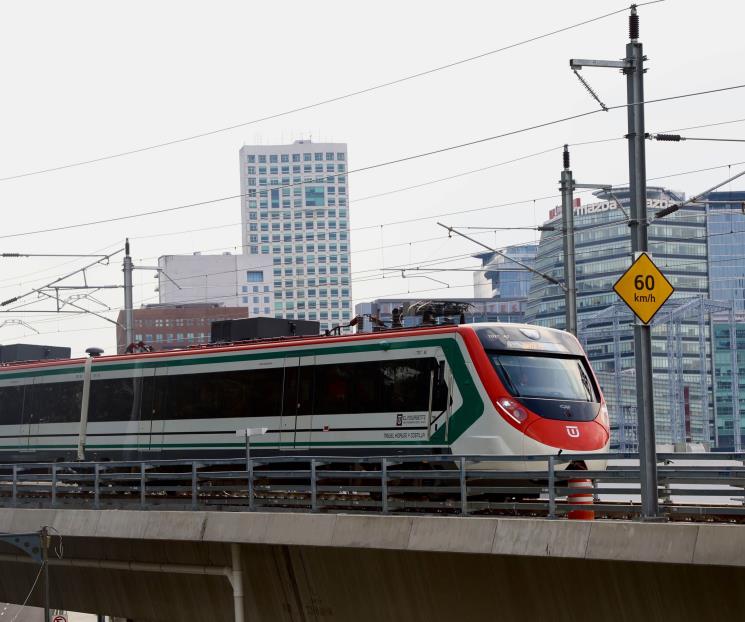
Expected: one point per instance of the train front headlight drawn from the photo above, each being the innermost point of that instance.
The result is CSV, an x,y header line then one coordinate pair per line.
x,y
512,409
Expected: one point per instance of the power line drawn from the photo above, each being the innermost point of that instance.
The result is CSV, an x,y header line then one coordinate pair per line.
x,y
323,102
378,165
676,138
600,225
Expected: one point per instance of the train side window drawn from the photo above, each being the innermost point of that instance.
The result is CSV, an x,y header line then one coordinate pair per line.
x,y
265,394
376,386
334,385
117,399
406,385
11,405
372,388
244,393
57,402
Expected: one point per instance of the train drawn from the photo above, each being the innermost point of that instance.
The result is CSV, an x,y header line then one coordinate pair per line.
x,y
488,389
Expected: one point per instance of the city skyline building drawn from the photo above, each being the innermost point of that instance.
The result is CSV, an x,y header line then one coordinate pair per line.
x,y
728,351
171,326
725,228
295,216
226,279
725,235
503,279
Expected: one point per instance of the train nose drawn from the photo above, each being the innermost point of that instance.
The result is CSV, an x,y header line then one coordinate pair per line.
x,y
576,435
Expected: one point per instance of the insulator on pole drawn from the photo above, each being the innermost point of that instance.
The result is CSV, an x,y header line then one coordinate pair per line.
x,y
633,24
668,137
566,156
667,211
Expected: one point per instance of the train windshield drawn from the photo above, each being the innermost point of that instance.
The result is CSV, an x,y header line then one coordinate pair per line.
x,y
545,377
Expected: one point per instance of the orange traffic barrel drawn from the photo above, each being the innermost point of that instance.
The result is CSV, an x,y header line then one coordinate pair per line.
x,y
583,496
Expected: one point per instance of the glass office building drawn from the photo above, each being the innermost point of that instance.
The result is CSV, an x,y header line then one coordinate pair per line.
x,y
728,341
603,252
504,279
295,213
725,219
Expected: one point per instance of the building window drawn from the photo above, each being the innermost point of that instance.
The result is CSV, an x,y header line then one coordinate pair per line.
x,y
254,276
314,196
252,158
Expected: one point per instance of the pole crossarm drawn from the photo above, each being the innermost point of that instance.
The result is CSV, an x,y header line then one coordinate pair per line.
x,y
548,277
579,63
103,260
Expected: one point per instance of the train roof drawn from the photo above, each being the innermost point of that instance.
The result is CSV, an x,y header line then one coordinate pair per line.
x,y
491,334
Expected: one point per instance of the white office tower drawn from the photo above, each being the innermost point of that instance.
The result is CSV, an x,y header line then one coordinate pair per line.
x,y
295,213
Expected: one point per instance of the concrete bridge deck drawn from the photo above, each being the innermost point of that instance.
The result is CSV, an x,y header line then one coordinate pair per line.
x,y
165,565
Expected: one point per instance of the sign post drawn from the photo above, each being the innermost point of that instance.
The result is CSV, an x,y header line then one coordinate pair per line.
x,y
643,288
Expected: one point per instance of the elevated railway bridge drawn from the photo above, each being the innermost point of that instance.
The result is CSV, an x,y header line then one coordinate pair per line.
x,y
394,538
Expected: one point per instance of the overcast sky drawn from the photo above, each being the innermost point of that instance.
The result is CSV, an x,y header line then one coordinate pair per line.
x,y
88,79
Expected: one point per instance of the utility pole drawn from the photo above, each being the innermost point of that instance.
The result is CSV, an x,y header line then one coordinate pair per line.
x,y
639,244
567,229
568,186
633,67
128,312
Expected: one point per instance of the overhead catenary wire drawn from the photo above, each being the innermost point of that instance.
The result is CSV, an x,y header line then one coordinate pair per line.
x,y
399,160
668,175
323,102
527,201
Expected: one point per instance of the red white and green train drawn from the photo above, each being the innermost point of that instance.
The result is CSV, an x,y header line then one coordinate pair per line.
x,y
486,389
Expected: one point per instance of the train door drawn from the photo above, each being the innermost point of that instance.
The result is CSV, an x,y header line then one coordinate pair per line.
x,y
29,421
141,413
288,414
304,401
159,411
297,402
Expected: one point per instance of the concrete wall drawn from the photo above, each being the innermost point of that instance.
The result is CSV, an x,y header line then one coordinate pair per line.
x,y
303,567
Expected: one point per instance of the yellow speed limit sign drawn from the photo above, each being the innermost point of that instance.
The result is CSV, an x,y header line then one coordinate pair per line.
x,y
644,288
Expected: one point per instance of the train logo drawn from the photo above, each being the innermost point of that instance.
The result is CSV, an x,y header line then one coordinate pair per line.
x,y
399,419
573,431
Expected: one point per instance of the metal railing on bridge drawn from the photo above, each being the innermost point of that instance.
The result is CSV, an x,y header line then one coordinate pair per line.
x,y
692,486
